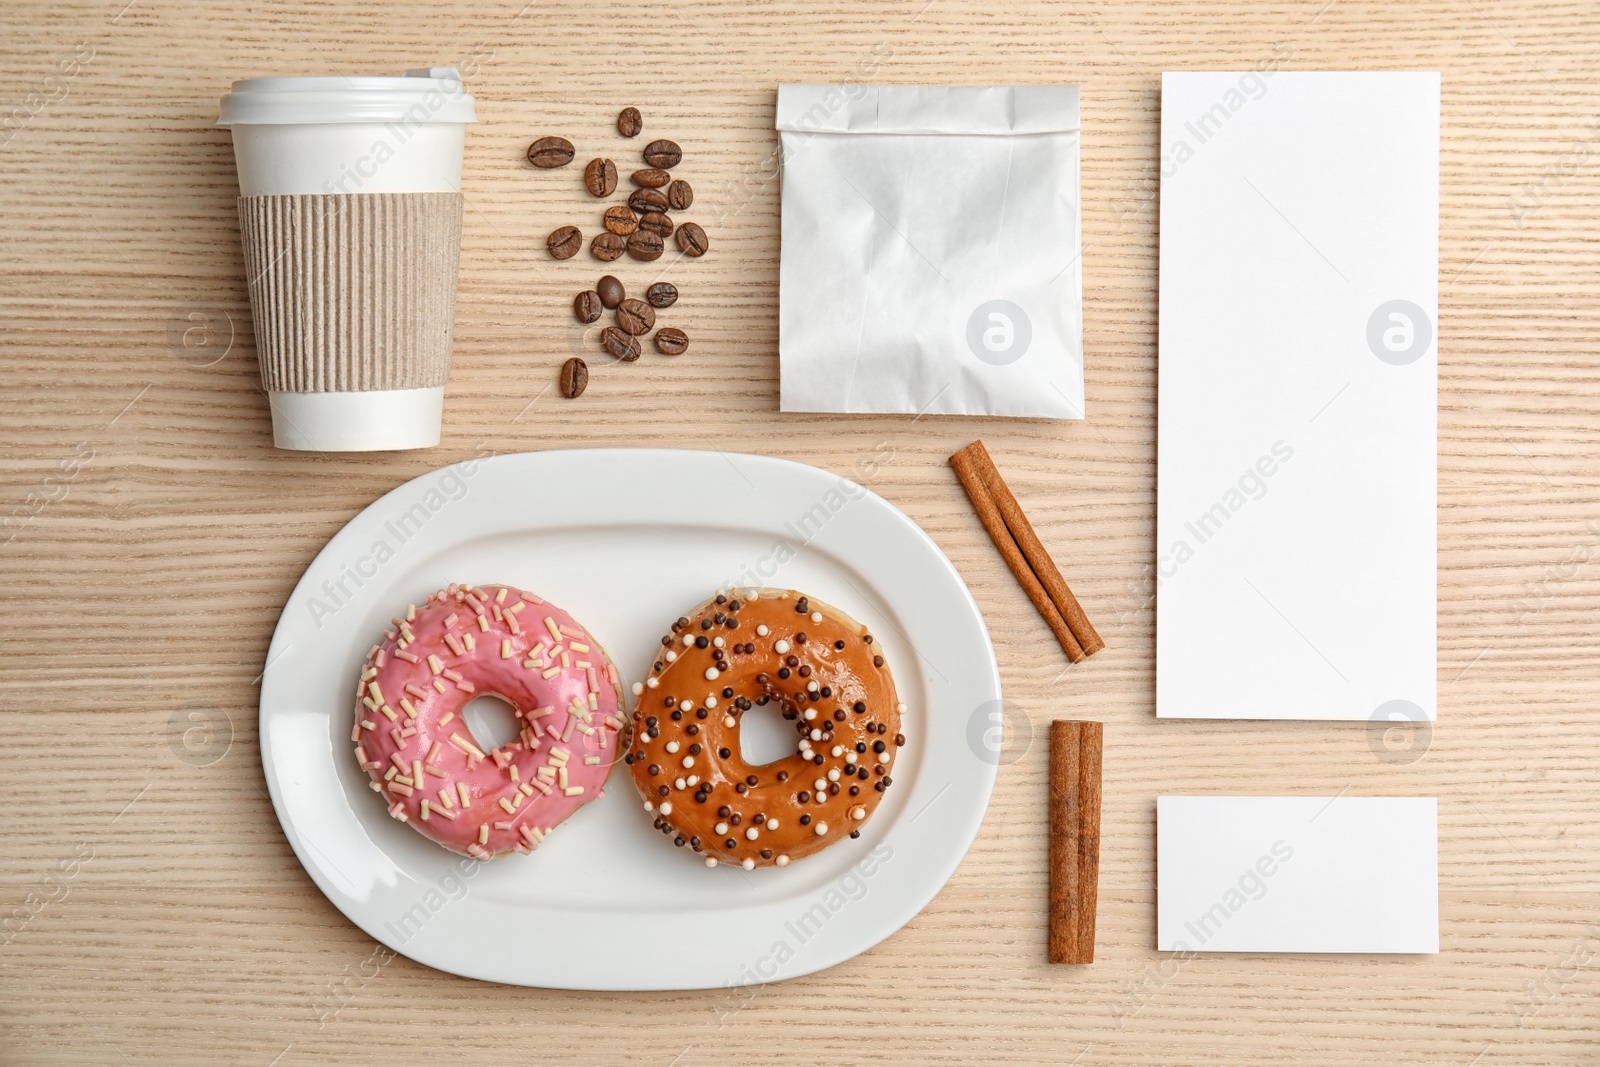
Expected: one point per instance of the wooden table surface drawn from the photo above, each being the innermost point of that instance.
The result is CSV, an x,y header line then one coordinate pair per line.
x,y
150,908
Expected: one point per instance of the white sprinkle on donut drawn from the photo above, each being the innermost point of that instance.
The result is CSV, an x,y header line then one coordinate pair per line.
x,y
762,631
858,812
719,642
711,861
711,702
685,705
688,761
711,674
649,806
849,757
812,686
722,827
651,683
811,713
638,687
672,746
822,827
688,639
833,774
679,783
671,656
752,833
749,865
666,808
772,824
816,616
783,861
820,784
781,647
836,751
816,735
729,721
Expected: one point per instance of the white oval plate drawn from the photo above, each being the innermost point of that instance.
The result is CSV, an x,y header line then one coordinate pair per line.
x,y
627,540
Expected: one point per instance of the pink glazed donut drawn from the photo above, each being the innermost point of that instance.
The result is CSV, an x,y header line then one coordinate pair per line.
x,y
468,641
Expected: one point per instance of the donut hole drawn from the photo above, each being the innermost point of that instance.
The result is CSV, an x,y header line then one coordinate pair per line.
x,y
765,736
491,721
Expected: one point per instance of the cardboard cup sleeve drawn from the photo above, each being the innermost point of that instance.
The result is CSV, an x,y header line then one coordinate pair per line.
x,y
352,293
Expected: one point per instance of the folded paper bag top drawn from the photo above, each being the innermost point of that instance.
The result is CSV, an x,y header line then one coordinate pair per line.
x,y
930,258
350,213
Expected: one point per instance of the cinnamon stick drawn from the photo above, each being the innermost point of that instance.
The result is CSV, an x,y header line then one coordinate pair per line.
x,y
1075,750
1033,550
989,514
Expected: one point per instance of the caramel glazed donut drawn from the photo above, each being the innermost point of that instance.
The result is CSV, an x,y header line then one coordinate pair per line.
x,y
744,650
467,641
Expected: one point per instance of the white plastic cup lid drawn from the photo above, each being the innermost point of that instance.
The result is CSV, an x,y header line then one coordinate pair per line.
x,y
427,94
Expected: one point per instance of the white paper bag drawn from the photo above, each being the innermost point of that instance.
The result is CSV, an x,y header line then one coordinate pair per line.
x,y
931,250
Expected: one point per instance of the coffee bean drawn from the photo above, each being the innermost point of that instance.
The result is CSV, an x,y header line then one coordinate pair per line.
x,y
600,177
586,306
692,239
661,154
619,344
549,152
610,291
661,295
645,245
629,122
672,341
645,201
574,377
680,195
636,316
656,223
620,219
652,178
608,246
564,242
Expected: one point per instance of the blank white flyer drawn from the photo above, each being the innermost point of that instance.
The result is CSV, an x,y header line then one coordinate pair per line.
x,y
1296,553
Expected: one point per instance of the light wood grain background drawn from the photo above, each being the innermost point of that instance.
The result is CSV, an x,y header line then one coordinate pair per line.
x,y
166,921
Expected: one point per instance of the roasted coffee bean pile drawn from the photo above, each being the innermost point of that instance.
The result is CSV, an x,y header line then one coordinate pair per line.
x,y
639,228
633,317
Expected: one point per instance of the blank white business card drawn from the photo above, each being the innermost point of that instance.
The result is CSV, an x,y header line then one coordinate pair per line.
x,y
1297,874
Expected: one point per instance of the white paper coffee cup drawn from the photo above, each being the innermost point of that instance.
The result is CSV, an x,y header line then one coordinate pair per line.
x,y
350,214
